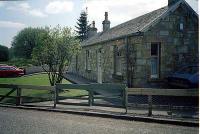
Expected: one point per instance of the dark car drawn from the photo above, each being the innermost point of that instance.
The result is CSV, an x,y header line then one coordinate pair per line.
x,y
10,71
186,77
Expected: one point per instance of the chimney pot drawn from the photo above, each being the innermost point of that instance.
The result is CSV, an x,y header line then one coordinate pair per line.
x,y
92,30
106,23
106,15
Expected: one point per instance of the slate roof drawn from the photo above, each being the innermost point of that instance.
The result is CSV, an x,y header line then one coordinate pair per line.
x,y
136,25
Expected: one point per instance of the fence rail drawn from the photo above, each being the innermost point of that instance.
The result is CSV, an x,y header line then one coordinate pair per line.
x,y
163,92
27,86
106,90
18,89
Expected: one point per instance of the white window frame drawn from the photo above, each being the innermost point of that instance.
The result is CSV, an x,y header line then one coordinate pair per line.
x,y
87,60
118,62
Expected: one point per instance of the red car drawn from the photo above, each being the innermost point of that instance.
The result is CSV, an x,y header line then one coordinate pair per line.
x,y
10,71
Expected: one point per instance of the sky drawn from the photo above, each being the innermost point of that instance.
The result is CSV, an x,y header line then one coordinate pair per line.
x,y
18,14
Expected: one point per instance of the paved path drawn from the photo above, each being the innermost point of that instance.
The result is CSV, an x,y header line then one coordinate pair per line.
x,y
77,79
17,121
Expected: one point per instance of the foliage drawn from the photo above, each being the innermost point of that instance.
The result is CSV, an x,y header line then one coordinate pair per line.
x,y
4,53
24,42
82,26
11,53
55,48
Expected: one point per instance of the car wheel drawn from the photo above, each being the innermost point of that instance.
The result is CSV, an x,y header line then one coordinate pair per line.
x,y
14,75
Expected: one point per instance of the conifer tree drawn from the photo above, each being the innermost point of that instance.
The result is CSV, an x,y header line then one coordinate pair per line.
x,y
82,26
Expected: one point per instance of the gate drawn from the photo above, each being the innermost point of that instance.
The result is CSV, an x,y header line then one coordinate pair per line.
x,y
95,91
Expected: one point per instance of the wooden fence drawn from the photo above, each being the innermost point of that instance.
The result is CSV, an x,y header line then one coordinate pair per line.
x,y
118,91
158,92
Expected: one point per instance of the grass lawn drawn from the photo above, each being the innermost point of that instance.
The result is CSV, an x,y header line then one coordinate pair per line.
x,y
39,79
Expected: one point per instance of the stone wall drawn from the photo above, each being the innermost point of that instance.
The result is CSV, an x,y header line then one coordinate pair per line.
x,y
107,61
35,69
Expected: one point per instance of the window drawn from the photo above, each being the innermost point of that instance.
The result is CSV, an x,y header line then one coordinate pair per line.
x,y
88,60
181,25
117,61
155,60
154,49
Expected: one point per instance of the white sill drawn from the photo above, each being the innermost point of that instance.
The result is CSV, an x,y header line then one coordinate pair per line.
x,y
119,73
155,76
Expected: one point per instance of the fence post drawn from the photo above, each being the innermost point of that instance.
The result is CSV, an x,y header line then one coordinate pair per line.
x,y
150,105
91,99
55,96
126,99
18,98
170,110
92,94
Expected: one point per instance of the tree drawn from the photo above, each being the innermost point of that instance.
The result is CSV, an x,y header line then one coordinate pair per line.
x,y
24,42
55,48
4,53
82,26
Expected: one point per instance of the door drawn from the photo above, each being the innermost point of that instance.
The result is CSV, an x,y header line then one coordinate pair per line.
x,y
99,69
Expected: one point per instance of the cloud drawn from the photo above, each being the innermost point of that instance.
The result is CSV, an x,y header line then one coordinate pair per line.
x,y
120,10
26,9
24,6
56,7
11,24
2,3
37,13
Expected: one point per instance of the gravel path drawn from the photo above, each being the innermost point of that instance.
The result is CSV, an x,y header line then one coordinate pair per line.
x,y
18,121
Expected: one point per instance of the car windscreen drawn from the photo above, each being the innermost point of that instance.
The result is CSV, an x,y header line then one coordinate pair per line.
x,y
7,68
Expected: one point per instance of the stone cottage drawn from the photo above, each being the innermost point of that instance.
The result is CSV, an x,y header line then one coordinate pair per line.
x,y
143,51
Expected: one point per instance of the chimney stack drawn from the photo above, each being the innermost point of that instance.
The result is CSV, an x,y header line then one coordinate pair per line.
x,y
92,30
172,2
106,23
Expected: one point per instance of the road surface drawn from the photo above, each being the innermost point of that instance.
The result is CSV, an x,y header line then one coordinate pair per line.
x,y
18,121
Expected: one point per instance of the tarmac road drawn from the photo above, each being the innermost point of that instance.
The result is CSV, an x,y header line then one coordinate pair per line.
x,y
18,121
